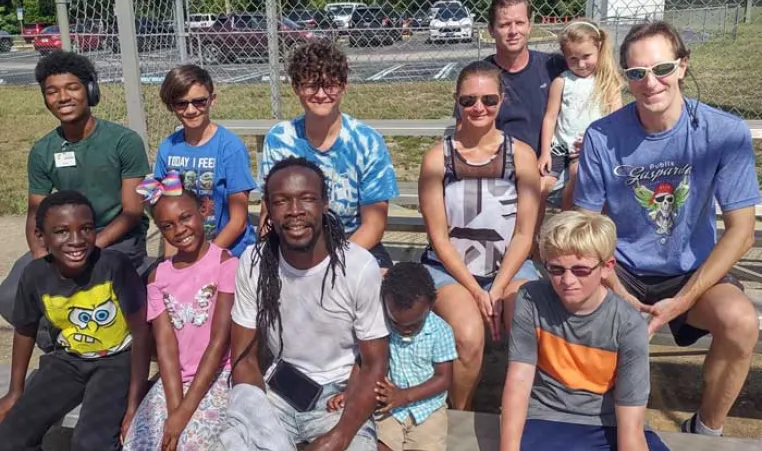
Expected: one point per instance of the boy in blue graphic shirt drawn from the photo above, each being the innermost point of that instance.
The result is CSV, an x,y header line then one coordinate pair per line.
x,y
213,161
658,165
413,415
352,155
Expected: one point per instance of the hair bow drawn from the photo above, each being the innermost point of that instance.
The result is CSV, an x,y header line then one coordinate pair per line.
x,y
152,189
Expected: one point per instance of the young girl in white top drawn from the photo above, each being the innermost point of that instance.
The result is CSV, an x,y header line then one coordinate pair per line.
x,y
590,89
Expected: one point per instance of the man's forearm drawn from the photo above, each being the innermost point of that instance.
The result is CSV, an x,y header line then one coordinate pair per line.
x,y
360,401
731,247
117,229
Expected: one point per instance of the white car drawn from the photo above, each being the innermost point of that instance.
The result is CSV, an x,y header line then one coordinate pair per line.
x,y
342,13
451,23
200,20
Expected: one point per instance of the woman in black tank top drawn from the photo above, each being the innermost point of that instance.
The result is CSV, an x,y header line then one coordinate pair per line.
x,y
479,193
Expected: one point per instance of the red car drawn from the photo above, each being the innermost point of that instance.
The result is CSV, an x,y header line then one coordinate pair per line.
x,y
31,30
244,36
82,40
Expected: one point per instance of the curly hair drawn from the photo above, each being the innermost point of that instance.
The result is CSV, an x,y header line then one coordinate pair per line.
x,y
406,283
59,199
61,62
318,60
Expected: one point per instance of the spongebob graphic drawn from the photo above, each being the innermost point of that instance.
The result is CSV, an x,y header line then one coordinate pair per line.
x,y
91,321
663,204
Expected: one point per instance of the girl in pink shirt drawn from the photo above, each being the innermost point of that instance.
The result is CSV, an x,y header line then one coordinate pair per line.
x,y
189,303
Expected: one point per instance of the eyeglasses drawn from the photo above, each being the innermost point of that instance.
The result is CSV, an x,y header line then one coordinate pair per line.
x,y
577,271
488,100
199,103
660,70
330,89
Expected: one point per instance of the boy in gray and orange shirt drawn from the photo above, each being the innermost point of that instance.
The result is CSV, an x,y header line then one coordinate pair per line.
x,y
578,373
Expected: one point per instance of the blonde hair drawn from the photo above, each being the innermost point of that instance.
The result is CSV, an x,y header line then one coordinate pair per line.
x,y
608,81
577,233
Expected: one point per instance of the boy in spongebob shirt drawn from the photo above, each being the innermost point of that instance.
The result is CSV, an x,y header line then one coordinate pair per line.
x,y
95,303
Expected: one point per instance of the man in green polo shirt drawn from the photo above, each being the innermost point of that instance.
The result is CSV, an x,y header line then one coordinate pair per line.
x,y
100,159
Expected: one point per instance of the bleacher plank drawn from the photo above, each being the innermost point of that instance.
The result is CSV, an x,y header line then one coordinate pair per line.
x,y
481,431
395,127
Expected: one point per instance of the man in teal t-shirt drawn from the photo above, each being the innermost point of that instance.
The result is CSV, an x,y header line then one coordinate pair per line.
x,y
102,160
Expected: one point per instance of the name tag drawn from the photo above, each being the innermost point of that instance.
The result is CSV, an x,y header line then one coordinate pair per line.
x,y
65,159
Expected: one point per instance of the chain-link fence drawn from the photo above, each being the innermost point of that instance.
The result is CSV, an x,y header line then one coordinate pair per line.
x,y
404,54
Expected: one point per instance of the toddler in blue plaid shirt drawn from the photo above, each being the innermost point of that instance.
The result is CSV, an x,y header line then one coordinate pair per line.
x,y
412,412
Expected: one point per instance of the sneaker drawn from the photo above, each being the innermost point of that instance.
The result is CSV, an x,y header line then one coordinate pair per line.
x,y
689,425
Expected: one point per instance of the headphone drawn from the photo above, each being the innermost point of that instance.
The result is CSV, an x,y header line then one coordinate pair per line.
x,y
93,91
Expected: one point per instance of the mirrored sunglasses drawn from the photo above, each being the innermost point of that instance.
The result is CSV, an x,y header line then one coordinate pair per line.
x,y
659,70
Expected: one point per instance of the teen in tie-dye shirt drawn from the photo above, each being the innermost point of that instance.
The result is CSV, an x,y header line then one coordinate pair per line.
x,y
352,154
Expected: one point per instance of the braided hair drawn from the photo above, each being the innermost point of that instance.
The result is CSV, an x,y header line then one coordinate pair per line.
x,y
267,254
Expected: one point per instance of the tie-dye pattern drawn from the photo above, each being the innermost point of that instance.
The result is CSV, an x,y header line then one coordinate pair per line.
x,y
358,166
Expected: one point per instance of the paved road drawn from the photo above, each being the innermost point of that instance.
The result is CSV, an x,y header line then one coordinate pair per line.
x,y
412,59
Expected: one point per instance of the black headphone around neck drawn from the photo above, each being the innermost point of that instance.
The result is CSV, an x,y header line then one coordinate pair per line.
x,y
93,91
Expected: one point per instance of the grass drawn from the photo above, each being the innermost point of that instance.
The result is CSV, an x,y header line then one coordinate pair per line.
x,y
726,71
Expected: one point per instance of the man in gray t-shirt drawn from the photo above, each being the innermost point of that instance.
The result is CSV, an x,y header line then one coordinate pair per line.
x,y
578,373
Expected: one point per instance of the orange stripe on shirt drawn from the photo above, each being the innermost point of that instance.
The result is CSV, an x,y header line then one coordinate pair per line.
x,y
578,367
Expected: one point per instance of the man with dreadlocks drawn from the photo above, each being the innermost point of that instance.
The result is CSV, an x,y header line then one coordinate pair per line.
x,y
318,317
351,153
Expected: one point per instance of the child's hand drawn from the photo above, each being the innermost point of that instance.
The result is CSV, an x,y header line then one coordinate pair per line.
x,y
335,403
390,395
6,404
126,422
544,164
173,428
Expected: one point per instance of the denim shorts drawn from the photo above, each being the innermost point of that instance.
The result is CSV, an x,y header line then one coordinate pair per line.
x,y
306,427
441,277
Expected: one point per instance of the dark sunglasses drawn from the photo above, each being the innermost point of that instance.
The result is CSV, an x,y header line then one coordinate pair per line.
x,y
577,271
182,105
660,70
488,100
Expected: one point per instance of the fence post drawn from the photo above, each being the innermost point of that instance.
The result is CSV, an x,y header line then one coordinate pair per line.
x,y
747,16
136,118
735,22
62,16
725,21
180,30
273,55
591,12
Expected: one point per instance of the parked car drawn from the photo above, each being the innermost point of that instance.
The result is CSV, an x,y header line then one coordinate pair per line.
x,y
238,36
342,14
82,38
32,29
200,20
413,22
452,23
150,35
319,22
374,25
6,41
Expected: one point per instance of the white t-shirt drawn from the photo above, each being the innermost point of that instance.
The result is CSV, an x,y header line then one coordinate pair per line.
x,y
319,340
